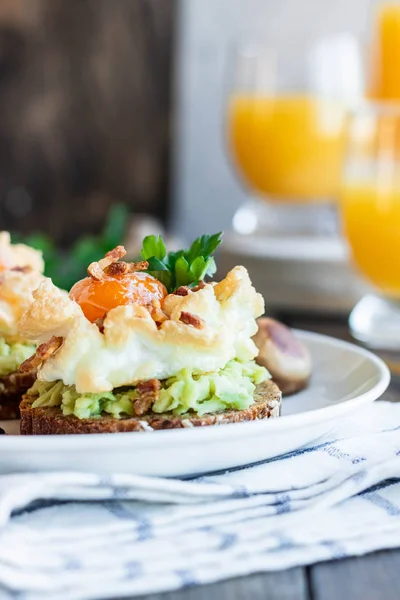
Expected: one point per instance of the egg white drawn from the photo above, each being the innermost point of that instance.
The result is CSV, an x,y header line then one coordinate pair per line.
x,y
132,347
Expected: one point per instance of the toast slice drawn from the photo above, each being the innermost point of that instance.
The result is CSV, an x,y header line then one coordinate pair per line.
x,y
50,420
12,388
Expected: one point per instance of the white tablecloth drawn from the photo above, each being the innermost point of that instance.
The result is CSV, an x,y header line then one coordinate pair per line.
x,y
86,536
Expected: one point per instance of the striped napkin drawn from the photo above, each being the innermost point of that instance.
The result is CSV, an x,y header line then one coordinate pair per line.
x,y
82,536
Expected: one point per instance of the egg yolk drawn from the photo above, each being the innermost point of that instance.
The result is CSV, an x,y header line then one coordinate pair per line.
x,y
96,298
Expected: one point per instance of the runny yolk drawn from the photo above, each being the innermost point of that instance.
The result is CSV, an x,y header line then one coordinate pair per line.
x,y
96,298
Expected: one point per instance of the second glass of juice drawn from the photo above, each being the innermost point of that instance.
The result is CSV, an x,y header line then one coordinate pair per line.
x,y
370,208
287,114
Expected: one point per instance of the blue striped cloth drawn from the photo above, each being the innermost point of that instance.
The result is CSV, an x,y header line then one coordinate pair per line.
x,y
82,536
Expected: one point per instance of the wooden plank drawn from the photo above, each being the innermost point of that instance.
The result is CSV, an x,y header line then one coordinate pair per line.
x,y
282,585
371,577
85,100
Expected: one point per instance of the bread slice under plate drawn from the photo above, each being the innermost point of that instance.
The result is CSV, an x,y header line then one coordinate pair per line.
x,y
51,421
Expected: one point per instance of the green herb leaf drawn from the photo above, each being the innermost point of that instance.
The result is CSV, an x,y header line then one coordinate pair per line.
x,y
211,267
184,267
40,241
172,257
153,246
165,277
197,268
114,230
156,265
204,246
85,250
182,272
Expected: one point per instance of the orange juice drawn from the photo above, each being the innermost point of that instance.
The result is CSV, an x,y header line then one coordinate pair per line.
x,y
371,219
386,84
288,147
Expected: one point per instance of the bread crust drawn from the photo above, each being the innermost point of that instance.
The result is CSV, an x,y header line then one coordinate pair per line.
x,y
50,420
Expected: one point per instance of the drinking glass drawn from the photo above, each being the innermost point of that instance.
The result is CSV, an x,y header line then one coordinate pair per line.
x,y
286,123
370,209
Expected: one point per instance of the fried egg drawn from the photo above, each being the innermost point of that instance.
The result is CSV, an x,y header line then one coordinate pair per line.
x,y
21,269
131,346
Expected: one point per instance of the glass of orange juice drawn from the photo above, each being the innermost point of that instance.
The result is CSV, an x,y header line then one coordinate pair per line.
x,y
286,120
385,84
370,209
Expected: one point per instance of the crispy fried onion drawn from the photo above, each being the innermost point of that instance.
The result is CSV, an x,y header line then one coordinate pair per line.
x,y
200,286
100,324
96,269
121,268
43,352
190,319
111,266
157,314
184,290
148,394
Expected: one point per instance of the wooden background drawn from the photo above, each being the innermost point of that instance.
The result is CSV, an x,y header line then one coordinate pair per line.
x,y
85,105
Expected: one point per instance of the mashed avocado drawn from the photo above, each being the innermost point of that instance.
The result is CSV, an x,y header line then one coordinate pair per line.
x,y
230,387
12,355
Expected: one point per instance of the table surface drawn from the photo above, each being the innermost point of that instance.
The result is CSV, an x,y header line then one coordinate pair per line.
x,y
375,576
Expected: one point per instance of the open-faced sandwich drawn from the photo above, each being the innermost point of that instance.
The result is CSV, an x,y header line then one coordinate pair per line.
x,y
145,346
21,271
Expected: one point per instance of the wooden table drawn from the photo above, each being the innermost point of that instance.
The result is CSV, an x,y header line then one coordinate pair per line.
x,y
375,576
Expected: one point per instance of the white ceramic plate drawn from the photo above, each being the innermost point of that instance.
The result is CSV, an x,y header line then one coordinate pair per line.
x,y
345,378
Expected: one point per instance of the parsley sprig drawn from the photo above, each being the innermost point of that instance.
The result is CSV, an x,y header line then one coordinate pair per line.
x,y
184,267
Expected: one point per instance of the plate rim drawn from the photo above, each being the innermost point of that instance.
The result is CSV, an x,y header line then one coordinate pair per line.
x,y
79,442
